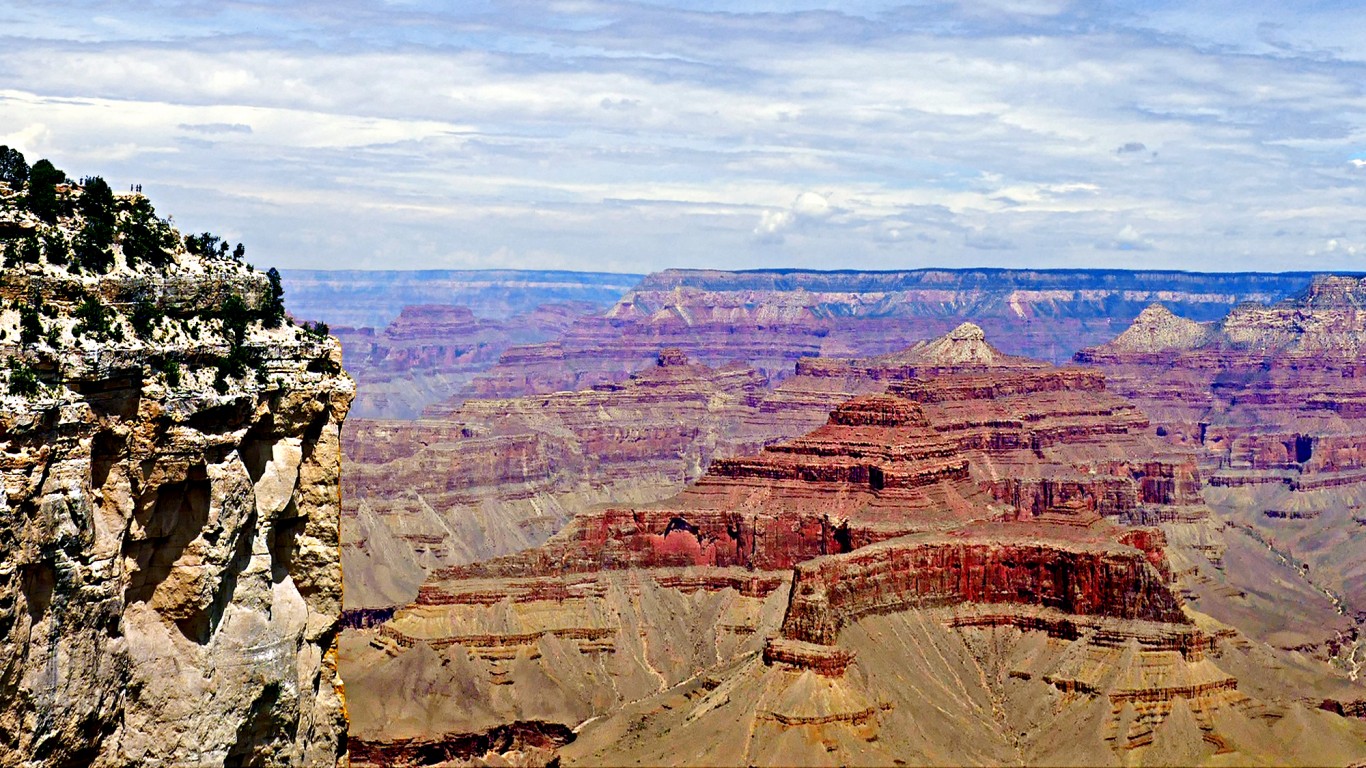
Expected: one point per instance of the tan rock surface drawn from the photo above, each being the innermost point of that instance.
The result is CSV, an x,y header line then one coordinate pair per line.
x,y
170,582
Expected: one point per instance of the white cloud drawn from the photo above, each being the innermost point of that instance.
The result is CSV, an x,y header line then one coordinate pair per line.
x,y
591,132
772,224
1129,239
807,207
810,205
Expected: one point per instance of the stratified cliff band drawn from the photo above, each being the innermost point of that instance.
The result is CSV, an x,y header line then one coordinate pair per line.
x,y
170,580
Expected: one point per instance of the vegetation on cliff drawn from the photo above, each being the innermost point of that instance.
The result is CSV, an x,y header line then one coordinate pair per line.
x,y
111,265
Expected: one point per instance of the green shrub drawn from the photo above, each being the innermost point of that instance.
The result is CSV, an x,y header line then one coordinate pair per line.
x,y
144,318
42,199
144,237
236,319
97,206
205,244
56,247
91,250
25,251
170,369
273,311
30,325
13,167
92,318
23,380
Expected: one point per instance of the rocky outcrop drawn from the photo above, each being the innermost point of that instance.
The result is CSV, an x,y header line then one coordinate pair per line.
x,y
530,742
1157,330
169,560
1075,575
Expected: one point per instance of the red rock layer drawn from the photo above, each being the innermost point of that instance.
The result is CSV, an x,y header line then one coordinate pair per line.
x,y
931,454
524,736
1025,564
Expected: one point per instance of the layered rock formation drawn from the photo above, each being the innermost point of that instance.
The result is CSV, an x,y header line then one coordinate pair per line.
x,y
431,352
1272,395
951,530
772,319
170,582
928,454
495,476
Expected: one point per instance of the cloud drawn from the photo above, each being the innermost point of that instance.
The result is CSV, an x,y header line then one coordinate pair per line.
x,y
701,133
810,205
1128,239
772,224
807,207
215,128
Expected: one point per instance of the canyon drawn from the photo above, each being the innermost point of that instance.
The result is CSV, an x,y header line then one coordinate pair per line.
x,y
963,538
504,494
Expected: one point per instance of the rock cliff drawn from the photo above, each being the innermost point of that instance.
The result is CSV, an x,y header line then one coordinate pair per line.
x,y
170,582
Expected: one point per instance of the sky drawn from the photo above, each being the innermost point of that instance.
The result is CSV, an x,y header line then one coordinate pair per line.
x,y
637,136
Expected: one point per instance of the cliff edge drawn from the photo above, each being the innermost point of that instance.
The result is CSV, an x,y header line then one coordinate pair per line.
x,y
170,578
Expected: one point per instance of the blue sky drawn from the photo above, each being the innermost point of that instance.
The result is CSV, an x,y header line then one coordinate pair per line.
x,y
639,136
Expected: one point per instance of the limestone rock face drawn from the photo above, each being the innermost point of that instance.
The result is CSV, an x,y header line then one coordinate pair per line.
x,y
1156,329
170,580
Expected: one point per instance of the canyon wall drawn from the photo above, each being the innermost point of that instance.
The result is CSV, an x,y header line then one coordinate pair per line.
x,y
1272,397
771,319
170,581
